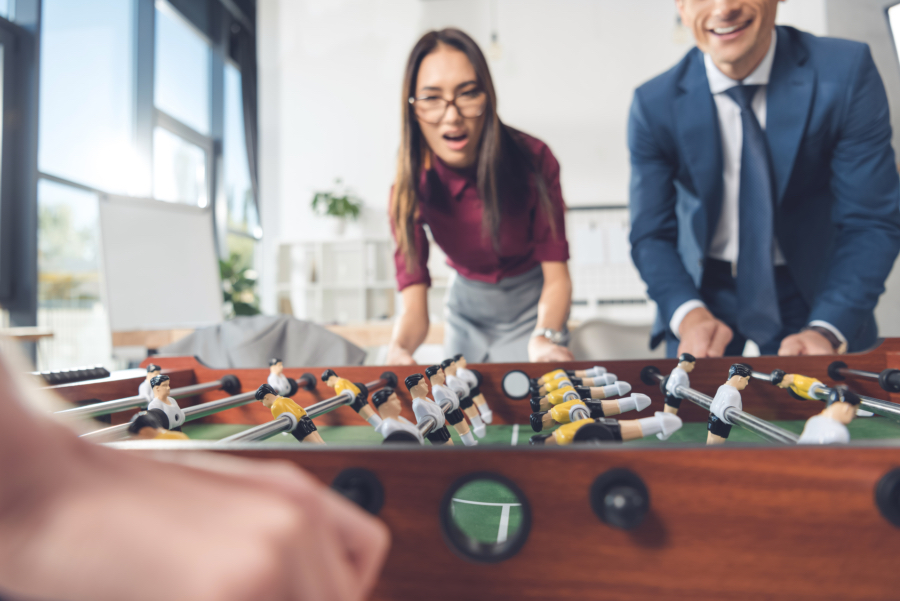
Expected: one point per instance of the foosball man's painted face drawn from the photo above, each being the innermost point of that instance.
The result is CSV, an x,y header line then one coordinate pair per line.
x,y
449,366
461,362
842,404
436,375
265,394
387,402
276,367
687,362
161,387
739,376
417,386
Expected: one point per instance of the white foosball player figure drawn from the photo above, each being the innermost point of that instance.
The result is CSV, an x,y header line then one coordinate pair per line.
x,y
277,380
162,400
678,377
424,408
830,426
728,395
145,390
387,403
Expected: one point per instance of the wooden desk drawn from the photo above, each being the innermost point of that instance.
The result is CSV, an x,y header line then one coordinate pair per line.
x,y
26,334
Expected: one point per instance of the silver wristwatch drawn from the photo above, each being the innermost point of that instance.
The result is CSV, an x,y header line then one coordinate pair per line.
x,y
553,336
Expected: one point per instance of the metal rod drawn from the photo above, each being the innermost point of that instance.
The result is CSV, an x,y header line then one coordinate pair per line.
x,y
882,408
133,402
270,429
580,413
426,425
190,413
857,372
261,432
761,427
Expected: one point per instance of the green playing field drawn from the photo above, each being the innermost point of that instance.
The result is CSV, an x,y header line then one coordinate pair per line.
x,y
488,511
861,429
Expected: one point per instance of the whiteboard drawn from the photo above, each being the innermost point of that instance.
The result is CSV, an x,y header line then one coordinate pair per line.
x,y
159,265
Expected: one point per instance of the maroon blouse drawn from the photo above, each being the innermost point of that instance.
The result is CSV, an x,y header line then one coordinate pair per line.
x,y
525,236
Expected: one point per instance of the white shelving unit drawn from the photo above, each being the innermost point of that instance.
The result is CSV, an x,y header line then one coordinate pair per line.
x,y
349,281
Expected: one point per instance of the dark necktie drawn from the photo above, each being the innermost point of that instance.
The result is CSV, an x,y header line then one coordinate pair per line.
x,y
759,318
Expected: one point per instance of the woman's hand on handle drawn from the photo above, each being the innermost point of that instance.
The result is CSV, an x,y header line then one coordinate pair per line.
x,y
541,350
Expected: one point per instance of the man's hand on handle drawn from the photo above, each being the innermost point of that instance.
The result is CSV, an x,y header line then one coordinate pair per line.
x,y
702,335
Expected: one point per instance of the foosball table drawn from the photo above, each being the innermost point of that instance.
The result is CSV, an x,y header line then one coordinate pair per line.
x,y
757,517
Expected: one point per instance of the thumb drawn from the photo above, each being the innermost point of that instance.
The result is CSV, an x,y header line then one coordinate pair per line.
x,y
791,346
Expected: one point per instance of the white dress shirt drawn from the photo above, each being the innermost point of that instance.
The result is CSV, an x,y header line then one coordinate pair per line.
x,y
726,237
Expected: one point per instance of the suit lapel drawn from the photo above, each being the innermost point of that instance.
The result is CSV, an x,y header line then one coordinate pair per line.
x,y
699,139
788,99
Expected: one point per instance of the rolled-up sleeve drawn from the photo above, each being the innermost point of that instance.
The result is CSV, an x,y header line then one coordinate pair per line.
x,y
417,273
550,243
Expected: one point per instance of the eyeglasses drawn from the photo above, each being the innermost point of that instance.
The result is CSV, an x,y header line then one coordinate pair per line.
x,y
431,109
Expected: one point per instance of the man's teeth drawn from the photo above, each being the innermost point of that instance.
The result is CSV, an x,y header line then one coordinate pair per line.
x,y
724,30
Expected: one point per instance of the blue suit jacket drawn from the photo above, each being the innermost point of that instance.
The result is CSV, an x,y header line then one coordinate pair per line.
x,y
837,214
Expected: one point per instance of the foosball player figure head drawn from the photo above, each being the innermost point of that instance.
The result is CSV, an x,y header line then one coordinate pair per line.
x,y
678,377
437,377
339,384
387,403
425,407
610,430
728,395
830,426
153,370
305,429
161,387
150,425
798,386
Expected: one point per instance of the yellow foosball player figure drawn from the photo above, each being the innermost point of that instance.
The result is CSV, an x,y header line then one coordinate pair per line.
x,y
610,430
593,372
565,413
304,428
148,425
358,391
830,426
567,380
567,393
804,388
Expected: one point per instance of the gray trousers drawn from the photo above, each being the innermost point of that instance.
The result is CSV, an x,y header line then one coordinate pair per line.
x,y
492,322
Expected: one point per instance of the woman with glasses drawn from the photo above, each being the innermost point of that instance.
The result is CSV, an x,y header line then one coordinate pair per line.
x,y
491,197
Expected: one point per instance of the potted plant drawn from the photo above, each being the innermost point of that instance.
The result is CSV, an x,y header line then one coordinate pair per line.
x,y
339,203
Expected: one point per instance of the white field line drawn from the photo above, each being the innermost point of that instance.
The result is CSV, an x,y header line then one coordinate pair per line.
x,y
488,504
503,530
515,435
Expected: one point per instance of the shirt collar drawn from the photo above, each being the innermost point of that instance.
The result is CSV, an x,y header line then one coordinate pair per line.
x,y
456,180
719,82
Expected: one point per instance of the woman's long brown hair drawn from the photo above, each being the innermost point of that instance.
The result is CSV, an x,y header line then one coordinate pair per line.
x,y
504,168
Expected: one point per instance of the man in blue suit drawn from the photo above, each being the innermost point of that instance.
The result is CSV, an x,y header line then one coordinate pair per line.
x,y
765,200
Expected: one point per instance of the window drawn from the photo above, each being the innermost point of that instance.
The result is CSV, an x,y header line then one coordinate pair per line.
x,y
86,119
240,204
69,278
182,72
179,169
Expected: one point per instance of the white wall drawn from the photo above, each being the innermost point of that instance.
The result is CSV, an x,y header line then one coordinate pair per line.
x,y
331,70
